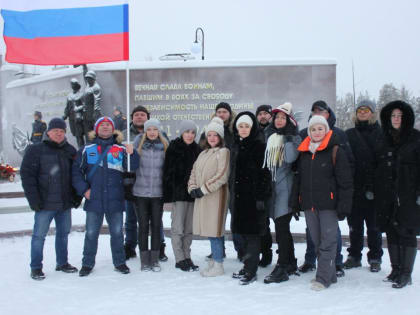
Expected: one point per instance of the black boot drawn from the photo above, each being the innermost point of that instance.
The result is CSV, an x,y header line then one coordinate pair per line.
x,y
130,252
162,256
37,274
266,258
279,274
306,267
191,264
85,271
247,278
122,269
407,264
67,268
292,268
394,257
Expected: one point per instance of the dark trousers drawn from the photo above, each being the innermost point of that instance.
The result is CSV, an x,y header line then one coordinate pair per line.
x,y
149,215
266,240
131,231
284,239
356,222
310,255
252,253
395,237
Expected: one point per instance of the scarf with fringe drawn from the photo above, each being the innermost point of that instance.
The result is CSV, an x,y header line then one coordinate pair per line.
x,y
274,153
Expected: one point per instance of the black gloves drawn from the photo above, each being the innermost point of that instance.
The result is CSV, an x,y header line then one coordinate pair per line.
x,y
260,205
196,193
36,206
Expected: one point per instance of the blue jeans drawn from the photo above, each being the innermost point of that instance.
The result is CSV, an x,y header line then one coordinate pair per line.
x,y
94,222
216,244
42,223
130,225
310,255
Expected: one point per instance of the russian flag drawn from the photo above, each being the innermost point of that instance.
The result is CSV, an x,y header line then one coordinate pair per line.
x,y
71,32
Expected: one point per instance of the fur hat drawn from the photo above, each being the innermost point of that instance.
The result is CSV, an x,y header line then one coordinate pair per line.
x,y
225,106
216,125
244,119
57,123
315,120
104,119
286,108
152,123
263,108
366,103
186,125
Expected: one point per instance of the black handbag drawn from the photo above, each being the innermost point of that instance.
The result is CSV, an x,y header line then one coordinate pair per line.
x,y
129,178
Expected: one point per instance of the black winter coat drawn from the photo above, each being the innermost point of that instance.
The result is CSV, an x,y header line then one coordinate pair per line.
x,y
179,160
38,129
319,184
363,138
46,176
397,173
120,123
248,182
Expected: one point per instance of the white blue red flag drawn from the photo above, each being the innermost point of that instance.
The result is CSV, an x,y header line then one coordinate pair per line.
x,y
53,32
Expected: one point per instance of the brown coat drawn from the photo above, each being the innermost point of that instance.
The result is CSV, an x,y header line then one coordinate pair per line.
x,y
210,173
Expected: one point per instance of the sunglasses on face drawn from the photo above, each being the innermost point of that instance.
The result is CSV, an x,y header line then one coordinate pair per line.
x,y
363,110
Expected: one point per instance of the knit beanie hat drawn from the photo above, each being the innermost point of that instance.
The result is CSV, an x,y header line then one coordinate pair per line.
x,y
140,109
152,123
187,125
286,108
244,119
216,125
263,108
315,120
367,103
225,106
320,105
57,123
104,119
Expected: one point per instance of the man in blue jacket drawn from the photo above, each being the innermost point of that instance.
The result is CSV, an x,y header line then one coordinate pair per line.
x,y
46,180
97,175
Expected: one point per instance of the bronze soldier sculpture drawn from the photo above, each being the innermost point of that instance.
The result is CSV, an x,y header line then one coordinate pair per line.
x,y
74,111
38,127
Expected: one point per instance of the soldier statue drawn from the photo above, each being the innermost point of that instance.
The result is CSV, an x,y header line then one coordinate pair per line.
x,y
74,111
38,127
92,100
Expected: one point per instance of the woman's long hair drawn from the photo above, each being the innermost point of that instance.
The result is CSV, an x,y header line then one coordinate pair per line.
x,y
143,139
221,143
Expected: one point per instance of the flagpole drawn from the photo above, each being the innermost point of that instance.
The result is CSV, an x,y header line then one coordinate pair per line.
x,y
127,80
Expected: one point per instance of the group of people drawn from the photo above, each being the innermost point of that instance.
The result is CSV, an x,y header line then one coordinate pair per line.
x,y
255,166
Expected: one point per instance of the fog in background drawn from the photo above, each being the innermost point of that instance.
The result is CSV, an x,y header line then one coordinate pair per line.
x,y
381,37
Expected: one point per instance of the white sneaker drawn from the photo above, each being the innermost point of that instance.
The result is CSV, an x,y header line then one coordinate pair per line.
x,y
317,286
216,270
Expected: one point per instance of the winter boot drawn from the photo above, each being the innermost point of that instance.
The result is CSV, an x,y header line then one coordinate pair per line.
x,y
292,268
85,271
154,260
306,267
239,274
162,256
394,257
317,286
209,266
145,261
279,274
191,264
183,265
248,278
407,264
339,271
266,258
375,266
214,271
67,268
130,252
122,269
352,262
37,274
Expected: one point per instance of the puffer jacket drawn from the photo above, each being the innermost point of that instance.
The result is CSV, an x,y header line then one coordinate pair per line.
x,y
106,184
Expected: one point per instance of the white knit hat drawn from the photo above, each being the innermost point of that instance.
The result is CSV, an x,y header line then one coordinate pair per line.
x,y
286,108
216,125
244,119
317,120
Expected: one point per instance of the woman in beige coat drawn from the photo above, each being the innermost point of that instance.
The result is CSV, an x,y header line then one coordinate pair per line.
x,y
208,185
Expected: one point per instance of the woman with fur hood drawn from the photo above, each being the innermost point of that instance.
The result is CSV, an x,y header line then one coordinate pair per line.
x,y
151,147
397,188
180,157
249,186
208,185
282,142
97,174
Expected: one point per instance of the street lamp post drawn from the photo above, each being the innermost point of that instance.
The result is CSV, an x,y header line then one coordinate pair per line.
x,y
196,47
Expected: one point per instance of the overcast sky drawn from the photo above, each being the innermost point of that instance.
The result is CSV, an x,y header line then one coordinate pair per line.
x,y
380,36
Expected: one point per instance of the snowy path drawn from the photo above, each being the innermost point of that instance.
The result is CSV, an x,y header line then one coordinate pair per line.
x,y
175,292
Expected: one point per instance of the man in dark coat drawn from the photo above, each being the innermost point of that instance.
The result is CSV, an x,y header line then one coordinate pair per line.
x,y
264,115
321,108
363,138
119,119
38,127
397,188
46,181
73,111
249,186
